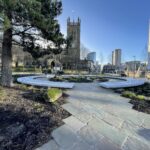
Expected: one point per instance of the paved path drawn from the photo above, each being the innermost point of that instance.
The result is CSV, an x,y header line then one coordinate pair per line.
x,y
101,120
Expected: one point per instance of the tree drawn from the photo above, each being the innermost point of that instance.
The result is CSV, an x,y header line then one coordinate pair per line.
x,y
33,25
84,51
101,58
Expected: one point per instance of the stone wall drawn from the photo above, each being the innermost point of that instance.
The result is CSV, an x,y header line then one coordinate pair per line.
x,y
19,57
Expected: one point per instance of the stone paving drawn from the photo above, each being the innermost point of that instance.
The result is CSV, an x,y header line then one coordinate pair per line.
x,y
101,120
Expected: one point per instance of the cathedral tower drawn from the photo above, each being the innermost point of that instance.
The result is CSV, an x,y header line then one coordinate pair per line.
x,y
73,31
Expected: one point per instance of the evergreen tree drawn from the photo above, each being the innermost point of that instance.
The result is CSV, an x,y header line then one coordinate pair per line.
x,y
27,23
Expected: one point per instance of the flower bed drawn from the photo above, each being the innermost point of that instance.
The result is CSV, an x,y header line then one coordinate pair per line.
x,y
26,119
140,97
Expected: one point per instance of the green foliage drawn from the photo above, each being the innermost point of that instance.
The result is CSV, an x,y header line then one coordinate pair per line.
x,y
132,95
37,14
53,94
129,94
79,79
58,79
140,97
72,79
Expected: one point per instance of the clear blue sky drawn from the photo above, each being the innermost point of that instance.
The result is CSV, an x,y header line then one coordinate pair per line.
x,y
110,24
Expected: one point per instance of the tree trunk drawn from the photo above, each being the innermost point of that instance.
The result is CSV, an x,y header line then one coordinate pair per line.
x,y
7,58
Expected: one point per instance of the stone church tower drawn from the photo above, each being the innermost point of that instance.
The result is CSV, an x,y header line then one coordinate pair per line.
x,y
73,31
70,59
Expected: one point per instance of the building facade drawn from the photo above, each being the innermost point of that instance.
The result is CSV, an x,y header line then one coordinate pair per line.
x,y
132,65
109,68
116,57
92,57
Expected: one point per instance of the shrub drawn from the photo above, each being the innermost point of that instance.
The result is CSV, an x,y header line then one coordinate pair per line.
x,y
53,94
140,97
58,79
79,79
129,94
132,95
60,72
46,71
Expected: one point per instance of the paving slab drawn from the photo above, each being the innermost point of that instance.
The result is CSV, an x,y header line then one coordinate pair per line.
x,y
108,131
90,135
146,123
134,144
84,116
82,146
113,120
51,145
129,128
72,108
74,123
65,137
105,144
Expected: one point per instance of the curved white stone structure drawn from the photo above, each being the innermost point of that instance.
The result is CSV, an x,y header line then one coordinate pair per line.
x,y
126,82
43,81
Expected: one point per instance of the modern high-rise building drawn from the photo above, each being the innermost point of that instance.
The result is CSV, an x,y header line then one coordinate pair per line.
x,y
116,57
148,64
92,57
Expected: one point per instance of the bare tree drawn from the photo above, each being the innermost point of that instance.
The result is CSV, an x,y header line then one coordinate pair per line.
x,y
101,58
84,51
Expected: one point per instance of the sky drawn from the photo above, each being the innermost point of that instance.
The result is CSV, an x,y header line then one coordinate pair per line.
x,y
110,24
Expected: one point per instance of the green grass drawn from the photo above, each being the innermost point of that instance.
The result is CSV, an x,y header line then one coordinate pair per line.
x,y
53,94
75,72
24,69
132,95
